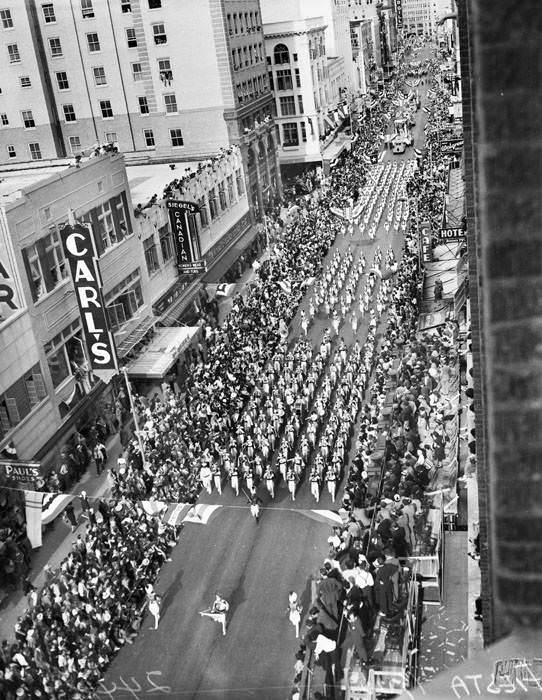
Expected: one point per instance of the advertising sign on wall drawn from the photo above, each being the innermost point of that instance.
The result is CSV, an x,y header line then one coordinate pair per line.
x,y
183,224
399,13
23,472
11,295
426,250
80,251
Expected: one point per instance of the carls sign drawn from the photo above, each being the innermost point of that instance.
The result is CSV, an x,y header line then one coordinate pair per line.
x,y
80,251
22,472
182,217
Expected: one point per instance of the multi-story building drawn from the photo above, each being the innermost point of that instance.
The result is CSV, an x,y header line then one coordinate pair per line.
x,y
45,380
310,87
133,72
421,17
373,32
47,388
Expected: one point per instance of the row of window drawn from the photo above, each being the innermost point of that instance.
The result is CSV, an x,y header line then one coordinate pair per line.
x,y
284,79
243,22
20,399
290,133
87,11
93,42
34,151
249,89
288,105
247,56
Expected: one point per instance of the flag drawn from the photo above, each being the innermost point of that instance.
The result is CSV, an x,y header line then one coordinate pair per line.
x,y
153,507
53,504
33,501
418,153
328,515
223,289
286,286
200,514
176,512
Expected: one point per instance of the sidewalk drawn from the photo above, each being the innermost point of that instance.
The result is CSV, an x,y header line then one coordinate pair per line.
x,y
58,538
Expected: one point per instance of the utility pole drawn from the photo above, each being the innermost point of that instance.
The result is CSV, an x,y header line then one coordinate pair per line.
x,y
134,414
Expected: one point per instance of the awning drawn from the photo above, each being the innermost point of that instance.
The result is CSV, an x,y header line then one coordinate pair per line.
x,y
217,271
156,359
133,333
335,148
329,121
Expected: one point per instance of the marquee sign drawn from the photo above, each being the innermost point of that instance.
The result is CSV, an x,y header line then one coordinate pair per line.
x,y
80,252
399,13
183,225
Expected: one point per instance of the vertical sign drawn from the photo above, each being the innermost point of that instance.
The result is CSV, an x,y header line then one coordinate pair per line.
x,y
425,242
80,251
182,217
11,294
399,13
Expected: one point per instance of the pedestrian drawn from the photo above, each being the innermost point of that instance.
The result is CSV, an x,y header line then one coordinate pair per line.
x,y
154,608
294,611
69,514
100,456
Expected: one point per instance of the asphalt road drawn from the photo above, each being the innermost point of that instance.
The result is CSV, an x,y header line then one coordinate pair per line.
x,y
253,565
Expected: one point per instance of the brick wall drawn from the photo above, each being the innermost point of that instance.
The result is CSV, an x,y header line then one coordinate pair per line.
x,y
503,153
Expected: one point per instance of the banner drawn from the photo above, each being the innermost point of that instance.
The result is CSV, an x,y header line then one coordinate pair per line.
x,y
22,472
183,224
80,251
33,501
53,504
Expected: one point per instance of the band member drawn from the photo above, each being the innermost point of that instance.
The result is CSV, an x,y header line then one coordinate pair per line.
x,y
291,479
206,476
255,503
331,479
294,611
218,611
234,478
269,477
217,478
315,484
154,608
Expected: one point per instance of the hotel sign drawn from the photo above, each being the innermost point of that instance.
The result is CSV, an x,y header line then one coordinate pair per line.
x,y
80,252
183,224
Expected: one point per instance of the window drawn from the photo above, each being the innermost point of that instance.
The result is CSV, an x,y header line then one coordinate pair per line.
x,y
131,38
110,136
159,33
65,354
48,13
281,54
176,137
19,400
171,103
125,6
55,47
35,151
240,183
155,4
271,86
166,74
137,72
99,75
166,242
222,196
151,255
212,203
203,212
297,78
284,80
25,81
124,300
12,153
28,119
13,52
287,105
86,9
75,144
45,264
106,109
231,195
69,113
62,80
300,103
5,17
291,136
149,137
93,42
143,105
4,119
295,57
303,131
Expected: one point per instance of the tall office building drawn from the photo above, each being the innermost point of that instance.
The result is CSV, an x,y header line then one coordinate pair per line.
x,y
165,79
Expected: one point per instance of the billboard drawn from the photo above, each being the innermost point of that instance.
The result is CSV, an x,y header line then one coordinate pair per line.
x,y
23,472
80,252
182,217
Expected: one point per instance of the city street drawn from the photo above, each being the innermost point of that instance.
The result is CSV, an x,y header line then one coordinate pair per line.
x,y
253,566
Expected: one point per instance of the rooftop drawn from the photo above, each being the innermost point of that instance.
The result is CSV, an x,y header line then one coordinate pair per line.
x,y
146,180
12,182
